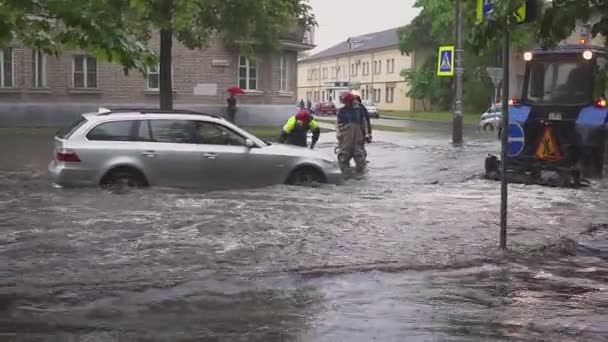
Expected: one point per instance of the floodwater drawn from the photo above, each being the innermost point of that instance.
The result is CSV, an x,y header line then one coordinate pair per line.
x,y
407,254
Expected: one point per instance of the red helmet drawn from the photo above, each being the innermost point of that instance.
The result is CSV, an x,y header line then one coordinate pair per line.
x,y
303,115
347,97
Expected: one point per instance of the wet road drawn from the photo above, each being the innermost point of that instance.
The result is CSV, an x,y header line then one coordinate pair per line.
x,y
407,254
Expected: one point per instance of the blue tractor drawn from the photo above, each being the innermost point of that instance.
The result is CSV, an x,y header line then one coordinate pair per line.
x,y
558,128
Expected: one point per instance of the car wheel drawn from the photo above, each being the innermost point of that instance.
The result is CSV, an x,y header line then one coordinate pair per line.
x,y
123,179
306,176
488,127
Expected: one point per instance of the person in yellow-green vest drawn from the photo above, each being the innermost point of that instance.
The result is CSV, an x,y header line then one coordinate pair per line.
x,y
296,129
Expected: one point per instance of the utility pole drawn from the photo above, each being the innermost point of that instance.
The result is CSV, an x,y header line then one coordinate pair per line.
x,y
504,138
457,117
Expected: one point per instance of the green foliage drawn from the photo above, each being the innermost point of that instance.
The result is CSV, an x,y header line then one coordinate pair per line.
x,y
247,25
422,84
97,26
560,16
433,27
426,86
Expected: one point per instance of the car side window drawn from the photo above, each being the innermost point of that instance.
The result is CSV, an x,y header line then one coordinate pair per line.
x,y
173,131
214,134
143,131
112,131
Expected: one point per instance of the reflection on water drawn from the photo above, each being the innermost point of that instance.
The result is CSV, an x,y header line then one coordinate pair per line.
x,y
409,253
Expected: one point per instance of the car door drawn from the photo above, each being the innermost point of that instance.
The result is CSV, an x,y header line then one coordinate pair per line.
x,y
223,155
170,153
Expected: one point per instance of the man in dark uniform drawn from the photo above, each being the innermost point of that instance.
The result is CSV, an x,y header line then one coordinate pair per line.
x,y
351,132
296,129
359,105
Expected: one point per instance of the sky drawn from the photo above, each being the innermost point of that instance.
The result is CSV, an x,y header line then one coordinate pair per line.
x,y
340,19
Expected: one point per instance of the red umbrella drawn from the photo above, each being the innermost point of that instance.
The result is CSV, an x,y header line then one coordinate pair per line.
x,y
235,90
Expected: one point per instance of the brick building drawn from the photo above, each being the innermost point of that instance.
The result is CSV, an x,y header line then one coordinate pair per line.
x,y
46,89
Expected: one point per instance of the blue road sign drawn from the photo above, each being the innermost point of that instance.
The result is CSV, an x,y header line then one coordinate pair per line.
x,y
516,140
485,8
488,7
445,64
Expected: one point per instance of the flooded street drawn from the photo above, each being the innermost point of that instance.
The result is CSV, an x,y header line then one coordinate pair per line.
x,y
408,254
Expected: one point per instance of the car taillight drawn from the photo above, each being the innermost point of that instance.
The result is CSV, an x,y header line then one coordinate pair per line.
x,y
68,156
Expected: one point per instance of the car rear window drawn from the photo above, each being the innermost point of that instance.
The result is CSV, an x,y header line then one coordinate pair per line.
x,y
66,132
113,131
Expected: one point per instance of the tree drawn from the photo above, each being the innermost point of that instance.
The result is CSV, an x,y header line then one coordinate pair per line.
x,y
423,85
97,26
434,26
556,20
251,25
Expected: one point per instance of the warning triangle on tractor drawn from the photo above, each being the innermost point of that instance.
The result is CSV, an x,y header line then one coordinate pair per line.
x,y
445,62
548,148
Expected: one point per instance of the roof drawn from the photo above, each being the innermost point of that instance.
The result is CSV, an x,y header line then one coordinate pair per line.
x,y
569,48
366,42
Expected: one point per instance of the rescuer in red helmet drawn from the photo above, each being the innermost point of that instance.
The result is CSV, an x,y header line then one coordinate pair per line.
x,y
351,132
296,128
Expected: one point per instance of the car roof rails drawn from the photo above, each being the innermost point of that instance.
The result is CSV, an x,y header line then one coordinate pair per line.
x,y
109,111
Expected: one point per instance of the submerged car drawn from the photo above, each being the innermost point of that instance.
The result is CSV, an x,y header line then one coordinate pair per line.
x,y
127,147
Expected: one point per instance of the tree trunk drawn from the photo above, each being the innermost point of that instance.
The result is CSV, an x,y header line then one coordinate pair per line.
x,y
424,104
166,86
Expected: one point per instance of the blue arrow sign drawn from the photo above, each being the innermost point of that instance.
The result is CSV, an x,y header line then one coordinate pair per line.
x,y
516,140
485,8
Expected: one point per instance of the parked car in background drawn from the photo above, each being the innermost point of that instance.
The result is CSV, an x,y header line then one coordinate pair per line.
x,y
325,108
372,109
135,148
490,120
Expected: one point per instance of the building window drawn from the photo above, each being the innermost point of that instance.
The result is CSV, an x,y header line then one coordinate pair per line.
x,y
38,69
84,71
390,94
248,73
284,74
390,65
154,78
377,96
6,68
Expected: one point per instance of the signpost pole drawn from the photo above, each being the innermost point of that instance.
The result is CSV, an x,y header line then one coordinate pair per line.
x,y
504,139
457,118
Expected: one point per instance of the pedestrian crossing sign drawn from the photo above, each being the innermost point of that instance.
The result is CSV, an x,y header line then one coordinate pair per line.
x,y
445,63
547,148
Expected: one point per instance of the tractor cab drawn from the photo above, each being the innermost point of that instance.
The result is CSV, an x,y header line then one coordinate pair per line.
x,y
558,125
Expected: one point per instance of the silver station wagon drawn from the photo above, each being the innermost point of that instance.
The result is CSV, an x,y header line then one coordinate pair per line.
x,y
178,148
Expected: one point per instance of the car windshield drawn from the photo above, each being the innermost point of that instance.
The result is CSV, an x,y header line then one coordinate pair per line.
x,y
563,81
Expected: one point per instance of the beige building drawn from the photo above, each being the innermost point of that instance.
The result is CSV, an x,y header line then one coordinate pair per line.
x,y
370,63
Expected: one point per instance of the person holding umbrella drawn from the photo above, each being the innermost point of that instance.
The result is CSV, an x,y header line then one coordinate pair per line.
x,y
231,110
